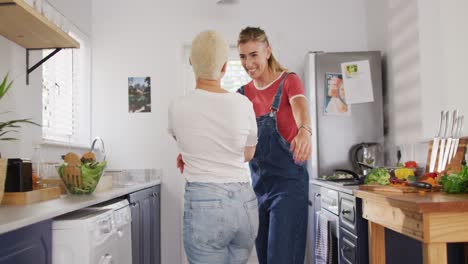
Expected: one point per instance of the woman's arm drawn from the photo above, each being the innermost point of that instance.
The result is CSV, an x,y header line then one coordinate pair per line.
x,y
249,153
301,143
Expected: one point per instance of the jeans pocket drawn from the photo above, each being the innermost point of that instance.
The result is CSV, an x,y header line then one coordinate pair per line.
x,y
251,209
206,220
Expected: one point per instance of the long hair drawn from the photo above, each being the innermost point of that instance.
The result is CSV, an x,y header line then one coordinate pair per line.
x,y
257,34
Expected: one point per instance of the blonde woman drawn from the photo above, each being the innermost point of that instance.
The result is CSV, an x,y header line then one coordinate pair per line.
x,y
216,134
278,171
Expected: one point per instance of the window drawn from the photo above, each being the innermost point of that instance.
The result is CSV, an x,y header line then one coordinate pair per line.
x,y
234,78
66,94
235,75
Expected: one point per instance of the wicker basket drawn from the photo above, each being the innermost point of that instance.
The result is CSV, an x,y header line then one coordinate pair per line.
x,y
3,172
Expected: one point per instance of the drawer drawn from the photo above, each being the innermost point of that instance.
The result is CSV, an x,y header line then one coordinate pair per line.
x,y
329,200
348,213
348,247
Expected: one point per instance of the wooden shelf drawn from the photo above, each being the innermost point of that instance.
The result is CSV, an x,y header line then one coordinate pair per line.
x,y
22,24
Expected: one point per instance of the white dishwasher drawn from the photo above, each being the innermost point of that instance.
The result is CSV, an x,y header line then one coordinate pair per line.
x,y
122,222
86,236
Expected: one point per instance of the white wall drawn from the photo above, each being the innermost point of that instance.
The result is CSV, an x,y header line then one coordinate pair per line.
x,y
21,101
454,37
393,28
146,38
424,46
445,38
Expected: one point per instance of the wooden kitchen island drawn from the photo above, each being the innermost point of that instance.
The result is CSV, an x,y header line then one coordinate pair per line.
x,y
434,218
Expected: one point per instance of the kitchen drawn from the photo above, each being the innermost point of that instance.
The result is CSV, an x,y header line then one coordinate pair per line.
x,y
148,39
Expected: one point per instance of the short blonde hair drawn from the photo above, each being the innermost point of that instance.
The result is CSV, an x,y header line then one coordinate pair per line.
x,y
208,55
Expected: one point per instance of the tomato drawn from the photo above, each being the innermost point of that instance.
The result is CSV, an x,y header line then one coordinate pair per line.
x,y
432,175
411,164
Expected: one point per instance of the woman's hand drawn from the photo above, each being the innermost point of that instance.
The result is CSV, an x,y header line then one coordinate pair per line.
x,y
180,163
300,146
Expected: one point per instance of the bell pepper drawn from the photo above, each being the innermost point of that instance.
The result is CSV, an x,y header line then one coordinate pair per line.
x,y
411,164
403,173
432,175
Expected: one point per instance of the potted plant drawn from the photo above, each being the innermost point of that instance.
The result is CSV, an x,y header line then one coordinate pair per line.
x,y
10,126
7,127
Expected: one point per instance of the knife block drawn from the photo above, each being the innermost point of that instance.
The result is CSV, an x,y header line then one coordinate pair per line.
x,y
455,164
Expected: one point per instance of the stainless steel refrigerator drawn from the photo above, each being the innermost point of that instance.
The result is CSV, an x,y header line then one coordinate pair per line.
x,y
334,135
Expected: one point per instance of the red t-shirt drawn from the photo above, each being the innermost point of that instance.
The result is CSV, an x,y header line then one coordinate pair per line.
x,y
262,99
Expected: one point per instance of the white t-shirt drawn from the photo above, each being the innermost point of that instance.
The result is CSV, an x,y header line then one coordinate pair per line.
x,y
212,130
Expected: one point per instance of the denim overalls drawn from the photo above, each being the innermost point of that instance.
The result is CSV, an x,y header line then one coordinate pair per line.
x,y
282,188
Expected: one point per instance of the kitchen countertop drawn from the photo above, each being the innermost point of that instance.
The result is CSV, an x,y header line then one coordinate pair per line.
x,y
14,217
335,186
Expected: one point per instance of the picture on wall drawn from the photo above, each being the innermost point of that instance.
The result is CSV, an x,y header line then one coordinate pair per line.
x,y
139,94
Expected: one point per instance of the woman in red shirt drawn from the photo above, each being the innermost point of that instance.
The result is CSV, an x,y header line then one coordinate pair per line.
x,y
279,174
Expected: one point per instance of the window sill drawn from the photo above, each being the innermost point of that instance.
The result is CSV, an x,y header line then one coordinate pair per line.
x,y
52,143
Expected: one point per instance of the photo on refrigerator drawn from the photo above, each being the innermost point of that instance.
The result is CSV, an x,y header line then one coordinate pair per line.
x,y
335,100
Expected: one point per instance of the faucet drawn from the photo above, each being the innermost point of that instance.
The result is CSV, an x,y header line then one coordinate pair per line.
x,y
103,150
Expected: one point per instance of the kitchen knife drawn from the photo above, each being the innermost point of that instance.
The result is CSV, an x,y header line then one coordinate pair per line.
x,y
424,185
451,126
457,140
435,144
442,142
454,138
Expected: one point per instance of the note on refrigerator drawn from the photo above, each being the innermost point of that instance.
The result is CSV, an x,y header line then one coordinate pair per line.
x,y
357,82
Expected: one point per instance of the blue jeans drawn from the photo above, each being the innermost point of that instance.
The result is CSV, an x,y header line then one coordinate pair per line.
x,y
220,222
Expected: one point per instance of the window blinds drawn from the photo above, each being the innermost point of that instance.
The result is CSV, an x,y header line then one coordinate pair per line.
x,y
235,76
65,94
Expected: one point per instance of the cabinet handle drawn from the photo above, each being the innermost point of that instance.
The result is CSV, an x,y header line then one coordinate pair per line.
x,y
132,204
310,202
345,212
155,194
317,195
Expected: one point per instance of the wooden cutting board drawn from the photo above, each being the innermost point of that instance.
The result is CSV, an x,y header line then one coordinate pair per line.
x,y
388,188
23,198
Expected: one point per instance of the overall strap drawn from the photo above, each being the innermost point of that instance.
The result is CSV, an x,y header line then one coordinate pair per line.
x,y
277,99
241,90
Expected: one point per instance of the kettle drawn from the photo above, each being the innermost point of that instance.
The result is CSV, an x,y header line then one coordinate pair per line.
x,y
363,157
